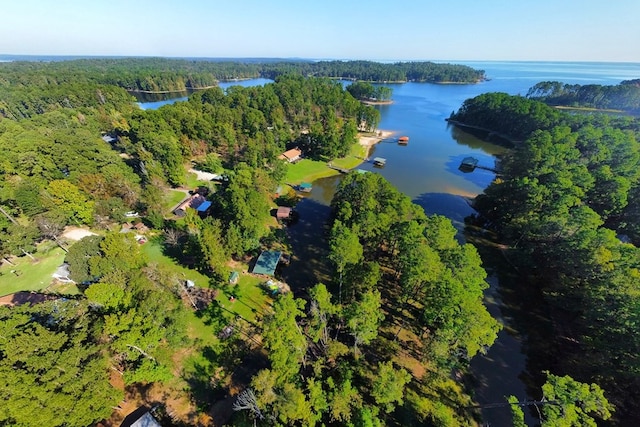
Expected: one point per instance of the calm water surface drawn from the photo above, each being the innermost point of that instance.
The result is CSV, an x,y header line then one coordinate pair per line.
x,y
427,171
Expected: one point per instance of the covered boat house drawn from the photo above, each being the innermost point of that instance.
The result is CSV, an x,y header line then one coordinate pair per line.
x,y
468,164
379,161
305,187
283,212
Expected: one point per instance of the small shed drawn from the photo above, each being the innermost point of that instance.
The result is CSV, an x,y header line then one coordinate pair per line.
x,y
283,212
233,277
267,262
141,417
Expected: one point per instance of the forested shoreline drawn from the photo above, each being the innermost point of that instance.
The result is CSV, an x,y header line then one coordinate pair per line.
x,y
624,96
387,341
28,88
566,204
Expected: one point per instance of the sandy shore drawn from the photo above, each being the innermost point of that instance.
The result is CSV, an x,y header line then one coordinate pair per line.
x,y
371,140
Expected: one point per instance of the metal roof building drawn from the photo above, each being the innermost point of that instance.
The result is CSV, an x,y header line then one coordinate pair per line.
x,y
267,262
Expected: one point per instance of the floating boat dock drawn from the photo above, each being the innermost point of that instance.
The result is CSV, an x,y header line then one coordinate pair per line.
x,y
469,164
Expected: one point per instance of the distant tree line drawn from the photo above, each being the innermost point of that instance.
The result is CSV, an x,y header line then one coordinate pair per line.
x,y
625,96
566,200
28,88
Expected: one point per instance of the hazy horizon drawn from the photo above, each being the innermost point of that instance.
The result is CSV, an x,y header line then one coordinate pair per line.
x,y
378,30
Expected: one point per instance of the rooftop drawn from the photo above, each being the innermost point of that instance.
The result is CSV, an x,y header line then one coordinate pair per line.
x,y
267,263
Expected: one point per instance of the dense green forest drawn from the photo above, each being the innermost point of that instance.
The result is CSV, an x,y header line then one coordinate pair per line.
x,y
566,201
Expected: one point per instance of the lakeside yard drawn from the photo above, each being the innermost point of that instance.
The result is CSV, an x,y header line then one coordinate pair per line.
x,y
307,170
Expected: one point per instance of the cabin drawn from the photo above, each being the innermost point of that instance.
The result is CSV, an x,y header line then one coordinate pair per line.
x,y
379,161
267,263
403,140
292,155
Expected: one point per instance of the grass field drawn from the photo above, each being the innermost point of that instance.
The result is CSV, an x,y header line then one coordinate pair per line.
x,y
251,301
172,198
28,275
153,250
307,170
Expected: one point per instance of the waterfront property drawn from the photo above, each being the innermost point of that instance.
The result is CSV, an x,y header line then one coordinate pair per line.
x,y
291,156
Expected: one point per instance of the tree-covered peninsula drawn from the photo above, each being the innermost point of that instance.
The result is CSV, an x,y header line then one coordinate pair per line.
x,y
566,204
624,96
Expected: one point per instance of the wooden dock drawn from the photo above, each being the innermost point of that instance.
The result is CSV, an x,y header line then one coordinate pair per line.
x,y
341,170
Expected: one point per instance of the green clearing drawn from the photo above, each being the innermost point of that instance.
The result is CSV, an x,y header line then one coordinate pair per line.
x,y
153,250
251,300
172,198
307,170
32,275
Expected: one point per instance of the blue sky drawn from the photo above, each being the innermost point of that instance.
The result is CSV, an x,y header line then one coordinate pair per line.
x,y
553,30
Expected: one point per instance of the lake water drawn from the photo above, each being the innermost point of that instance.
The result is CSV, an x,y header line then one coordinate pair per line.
x,y
153,101
427,171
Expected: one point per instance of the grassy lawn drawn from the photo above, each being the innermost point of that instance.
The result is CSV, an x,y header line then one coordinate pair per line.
x,y
172,198
31,276
153,250
307,170
251,301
